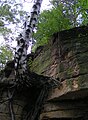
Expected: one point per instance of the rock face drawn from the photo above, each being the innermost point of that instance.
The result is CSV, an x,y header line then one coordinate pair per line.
x,y
19,103
65,58
46,59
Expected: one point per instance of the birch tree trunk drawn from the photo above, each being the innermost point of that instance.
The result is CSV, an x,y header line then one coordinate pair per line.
x,y
23,42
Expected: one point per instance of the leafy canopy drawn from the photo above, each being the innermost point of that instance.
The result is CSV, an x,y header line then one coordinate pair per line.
x,y
12,17
65,14
50,21
11,14
6,54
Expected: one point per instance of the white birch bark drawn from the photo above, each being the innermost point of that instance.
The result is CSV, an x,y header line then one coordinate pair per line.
x,y
23,41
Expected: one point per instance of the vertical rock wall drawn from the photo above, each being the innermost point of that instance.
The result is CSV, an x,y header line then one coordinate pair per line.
x,y
65,58
46,58
18,105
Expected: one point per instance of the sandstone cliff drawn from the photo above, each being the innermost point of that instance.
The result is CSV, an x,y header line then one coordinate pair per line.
x,y
63,59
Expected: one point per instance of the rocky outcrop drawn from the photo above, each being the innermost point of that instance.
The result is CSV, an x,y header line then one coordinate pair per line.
x,y
46,59
21,101
65,58
62,62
